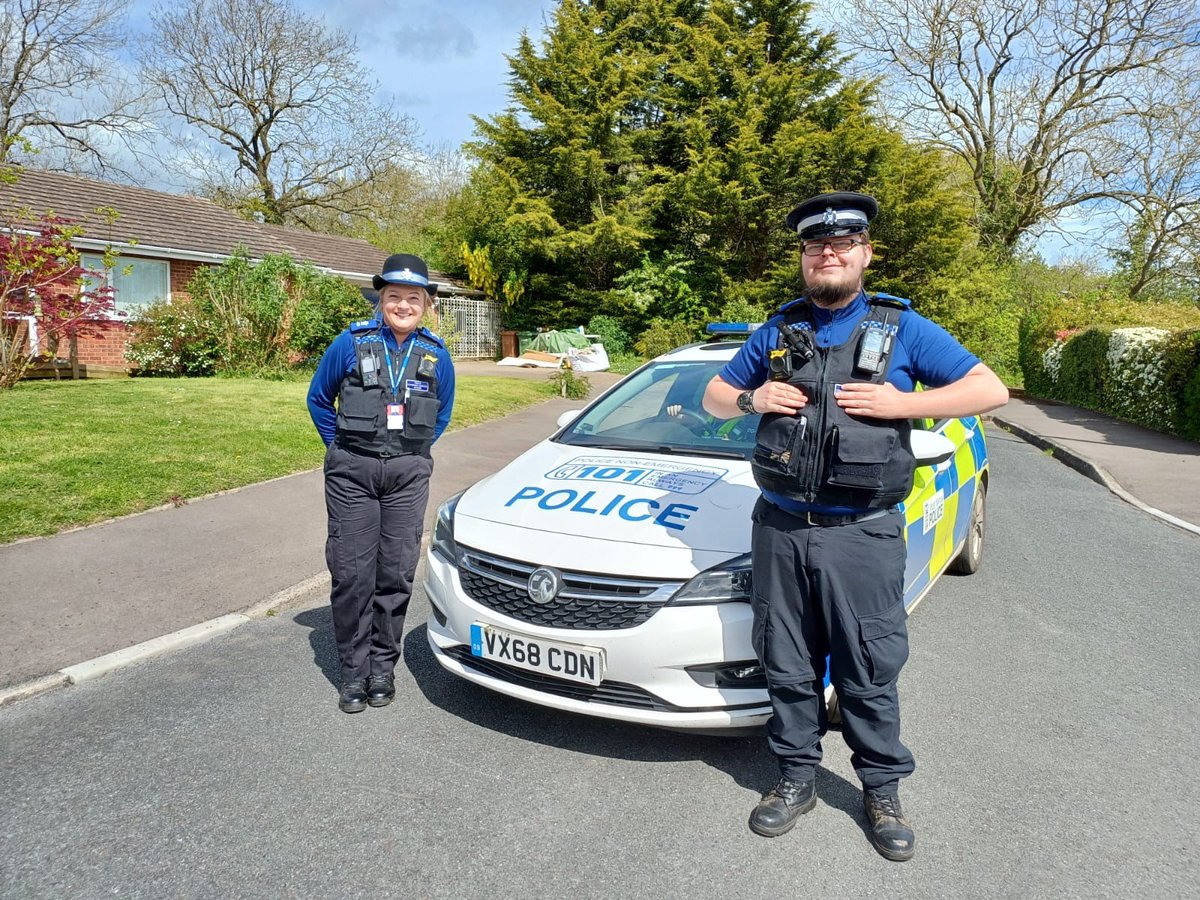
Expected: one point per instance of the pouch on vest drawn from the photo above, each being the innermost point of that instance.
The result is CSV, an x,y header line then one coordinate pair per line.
x,y
420,417
859,455
358,411
780,444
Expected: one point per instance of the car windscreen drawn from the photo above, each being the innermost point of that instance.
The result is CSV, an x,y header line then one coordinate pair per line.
x,y
659,408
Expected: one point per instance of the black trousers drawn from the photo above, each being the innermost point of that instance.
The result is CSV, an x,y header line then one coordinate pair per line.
x,y
376,512
835,591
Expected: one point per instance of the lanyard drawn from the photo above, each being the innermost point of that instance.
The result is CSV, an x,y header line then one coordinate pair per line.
x,y
394,378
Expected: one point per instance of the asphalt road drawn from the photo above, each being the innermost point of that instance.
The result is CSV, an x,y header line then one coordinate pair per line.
x,y
1050,702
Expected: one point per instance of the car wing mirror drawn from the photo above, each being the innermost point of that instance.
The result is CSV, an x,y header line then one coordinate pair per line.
x,y
931,448
568,417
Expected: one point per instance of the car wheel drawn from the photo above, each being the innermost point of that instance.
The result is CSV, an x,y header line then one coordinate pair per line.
x,y
969,558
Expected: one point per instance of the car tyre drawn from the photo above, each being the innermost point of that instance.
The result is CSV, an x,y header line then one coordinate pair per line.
x,y
971,556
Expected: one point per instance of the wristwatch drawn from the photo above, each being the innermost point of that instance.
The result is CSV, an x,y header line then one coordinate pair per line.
x,y
745,402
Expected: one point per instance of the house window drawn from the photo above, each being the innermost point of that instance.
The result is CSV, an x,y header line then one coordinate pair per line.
x,y
136,282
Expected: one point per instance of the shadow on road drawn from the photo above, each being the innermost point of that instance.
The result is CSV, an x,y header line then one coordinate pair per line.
x,y
744,759
320,638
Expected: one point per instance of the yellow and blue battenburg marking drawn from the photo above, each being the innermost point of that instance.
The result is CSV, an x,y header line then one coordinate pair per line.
x,y
937,512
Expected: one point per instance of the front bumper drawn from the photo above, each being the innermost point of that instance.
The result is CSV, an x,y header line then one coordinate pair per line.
x,y
646,679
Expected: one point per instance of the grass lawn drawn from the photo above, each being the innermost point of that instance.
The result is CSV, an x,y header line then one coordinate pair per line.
x,y
76,452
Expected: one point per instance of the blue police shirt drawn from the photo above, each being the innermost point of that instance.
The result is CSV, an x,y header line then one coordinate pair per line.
x,y
923,351
340,359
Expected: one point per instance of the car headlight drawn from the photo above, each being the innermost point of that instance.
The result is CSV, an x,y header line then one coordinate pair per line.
x,y
443,530
731,582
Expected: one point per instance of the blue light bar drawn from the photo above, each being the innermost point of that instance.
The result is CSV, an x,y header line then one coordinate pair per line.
x,y
731,328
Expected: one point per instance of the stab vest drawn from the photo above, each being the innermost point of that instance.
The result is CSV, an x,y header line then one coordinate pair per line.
x,y
363,400
822,456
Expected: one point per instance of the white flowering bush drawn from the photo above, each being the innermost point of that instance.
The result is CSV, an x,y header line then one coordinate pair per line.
x,y
1137,383
1052,360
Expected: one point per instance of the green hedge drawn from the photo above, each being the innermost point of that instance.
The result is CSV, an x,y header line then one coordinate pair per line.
x,y
1146,375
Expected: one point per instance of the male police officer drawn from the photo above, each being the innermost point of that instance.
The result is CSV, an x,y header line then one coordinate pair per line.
x,y
833,373
394,385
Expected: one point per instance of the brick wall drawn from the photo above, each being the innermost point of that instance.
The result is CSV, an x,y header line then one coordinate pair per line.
x,y
104,349
181,274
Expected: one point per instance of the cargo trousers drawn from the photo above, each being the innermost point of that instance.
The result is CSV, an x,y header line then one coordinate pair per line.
x,y
376,508
833,591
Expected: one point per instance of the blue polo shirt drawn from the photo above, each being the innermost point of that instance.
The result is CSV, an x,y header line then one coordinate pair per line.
x,y
340,359
923,351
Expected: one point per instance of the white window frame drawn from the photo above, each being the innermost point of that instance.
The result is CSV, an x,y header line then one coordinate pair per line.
x,y
94,262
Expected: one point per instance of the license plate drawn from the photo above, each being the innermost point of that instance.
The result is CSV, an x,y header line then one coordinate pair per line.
x,y
570,661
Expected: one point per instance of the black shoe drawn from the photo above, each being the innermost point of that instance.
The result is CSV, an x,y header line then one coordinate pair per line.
x,y
381,690
781,806
353,697
891,833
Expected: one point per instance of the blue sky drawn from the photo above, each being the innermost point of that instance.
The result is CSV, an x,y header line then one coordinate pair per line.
x,y
439,62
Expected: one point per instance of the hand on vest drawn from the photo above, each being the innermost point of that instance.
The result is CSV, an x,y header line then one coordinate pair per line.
x,y
779,397
876,401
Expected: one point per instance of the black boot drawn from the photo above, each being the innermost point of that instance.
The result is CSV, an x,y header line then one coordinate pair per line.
x,y
891,833
781,806
353,697
381,690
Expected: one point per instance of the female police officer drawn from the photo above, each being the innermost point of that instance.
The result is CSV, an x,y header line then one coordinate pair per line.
x,y
394,386
833,373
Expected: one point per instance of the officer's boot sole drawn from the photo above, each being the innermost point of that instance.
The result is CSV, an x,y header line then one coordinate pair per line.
x,y
767,831
377,702
894,855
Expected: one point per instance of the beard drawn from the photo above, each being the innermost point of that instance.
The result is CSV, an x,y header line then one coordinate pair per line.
x,y
832,293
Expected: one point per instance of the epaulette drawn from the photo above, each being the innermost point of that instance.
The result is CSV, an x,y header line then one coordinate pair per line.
x,y
433,337
364,325
787,306
888,300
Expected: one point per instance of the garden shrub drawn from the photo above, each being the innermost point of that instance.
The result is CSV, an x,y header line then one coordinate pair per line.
x,y
244,317
615,339
662,336
172,339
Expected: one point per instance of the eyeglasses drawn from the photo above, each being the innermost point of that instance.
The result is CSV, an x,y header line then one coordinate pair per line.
x,y
837,245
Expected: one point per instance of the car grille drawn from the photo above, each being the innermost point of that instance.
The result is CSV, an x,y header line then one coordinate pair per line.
x,y
586,602
613,693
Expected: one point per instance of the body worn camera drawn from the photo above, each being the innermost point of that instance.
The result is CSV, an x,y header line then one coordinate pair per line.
x,y
796,349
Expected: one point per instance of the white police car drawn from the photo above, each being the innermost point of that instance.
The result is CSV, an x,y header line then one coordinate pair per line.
x,y
606,570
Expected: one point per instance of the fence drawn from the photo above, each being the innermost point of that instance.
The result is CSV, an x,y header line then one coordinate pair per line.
x,y
477,325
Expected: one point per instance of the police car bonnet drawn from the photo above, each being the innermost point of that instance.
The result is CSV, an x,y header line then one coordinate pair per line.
x,y
833,215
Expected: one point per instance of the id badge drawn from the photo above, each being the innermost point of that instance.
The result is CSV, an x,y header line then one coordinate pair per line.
x,y
395,416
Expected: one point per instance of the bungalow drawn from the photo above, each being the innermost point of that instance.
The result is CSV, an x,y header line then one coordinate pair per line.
x,y
162,239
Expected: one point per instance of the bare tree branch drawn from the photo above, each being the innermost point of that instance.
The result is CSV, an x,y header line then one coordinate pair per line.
x,y
1023,91
285,95
59,88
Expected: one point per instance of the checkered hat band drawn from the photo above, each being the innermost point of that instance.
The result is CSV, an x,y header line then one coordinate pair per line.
x,y
405,276
845,218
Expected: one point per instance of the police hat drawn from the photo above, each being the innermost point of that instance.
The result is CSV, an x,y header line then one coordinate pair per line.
x,y
833,215
404,268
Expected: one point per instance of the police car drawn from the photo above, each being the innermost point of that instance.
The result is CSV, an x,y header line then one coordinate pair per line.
x,y
606,571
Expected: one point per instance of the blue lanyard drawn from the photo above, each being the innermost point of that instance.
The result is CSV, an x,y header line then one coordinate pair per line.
x,y
393,377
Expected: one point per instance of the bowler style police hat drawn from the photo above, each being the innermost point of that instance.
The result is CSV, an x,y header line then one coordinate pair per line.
x,y
404,268
833,215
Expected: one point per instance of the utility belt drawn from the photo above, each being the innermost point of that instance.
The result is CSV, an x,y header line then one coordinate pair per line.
x,y
417,449
823,520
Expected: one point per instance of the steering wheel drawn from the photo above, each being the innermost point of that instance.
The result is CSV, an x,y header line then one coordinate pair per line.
x,y
696,423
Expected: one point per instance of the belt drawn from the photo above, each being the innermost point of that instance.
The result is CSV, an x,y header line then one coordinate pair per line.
x,y
813,518
373,454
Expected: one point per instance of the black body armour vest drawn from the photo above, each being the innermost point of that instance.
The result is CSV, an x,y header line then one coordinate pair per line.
x,y
823,456
366,392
